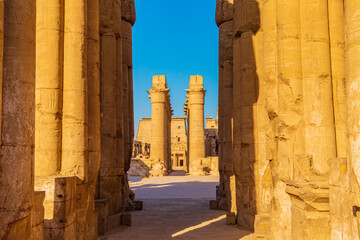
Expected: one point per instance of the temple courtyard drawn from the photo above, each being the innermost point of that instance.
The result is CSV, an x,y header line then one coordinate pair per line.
x,y
176,207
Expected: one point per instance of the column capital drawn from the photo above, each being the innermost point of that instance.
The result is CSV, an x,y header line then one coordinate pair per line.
x,y
128,12
224,11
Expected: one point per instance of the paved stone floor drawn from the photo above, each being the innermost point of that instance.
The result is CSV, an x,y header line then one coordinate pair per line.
x,y
176,207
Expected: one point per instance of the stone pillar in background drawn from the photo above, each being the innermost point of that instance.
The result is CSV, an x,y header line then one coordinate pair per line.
x,y
352,73
196,94
159,117
224,20
74,127
49,77
17,53
128,16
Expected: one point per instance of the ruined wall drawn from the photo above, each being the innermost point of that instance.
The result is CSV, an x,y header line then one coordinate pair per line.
x,y
143,133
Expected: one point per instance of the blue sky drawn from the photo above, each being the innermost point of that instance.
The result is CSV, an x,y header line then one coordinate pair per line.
x,y
176,38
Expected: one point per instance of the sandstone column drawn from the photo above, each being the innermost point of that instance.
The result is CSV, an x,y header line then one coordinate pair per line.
x,y
17,53
224,20
49,74
94,139
108,71
74,127
159,115
93,73
128,16
196,94
317,84
337,41
290,129
352,73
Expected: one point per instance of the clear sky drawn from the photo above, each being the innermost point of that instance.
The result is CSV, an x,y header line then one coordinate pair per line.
x,y
176,38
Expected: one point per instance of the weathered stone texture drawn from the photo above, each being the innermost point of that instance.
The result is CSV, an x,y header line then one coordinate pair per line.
x,y
17,117
290,65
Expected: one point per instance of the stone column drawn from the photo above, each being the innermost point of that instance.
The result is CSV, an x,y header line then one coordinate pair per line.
x,y
108,69
196,94
159,131
290,129
128,16
317,84
17,53
352,73
93,73
74,127
49,76
94,138
337,41
224,20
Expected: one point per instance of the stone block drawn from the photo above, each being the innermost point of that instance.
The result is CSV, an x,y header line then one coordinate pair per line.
x,y
262,224
102,207
126,219
213,204
37,213
63,233
310,210
230,218
139,205
19,229
114,221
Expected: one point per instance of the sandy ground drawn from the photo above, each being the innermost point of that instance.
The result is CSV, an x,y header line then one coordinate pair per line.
x,y
176,207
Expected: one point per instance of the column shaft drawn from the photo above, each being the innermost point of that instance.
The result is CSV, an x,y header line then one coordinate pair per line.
x,y
107,178
17,31
336,32
290,129
74,128
317,85
126,33
158,130
49,73
352,73
93,74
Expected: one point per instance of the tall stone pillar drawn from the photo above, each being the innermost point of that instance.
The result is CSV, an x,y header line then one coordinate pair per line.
x,y
93,111
337,41
107,182
74,126
17,74
317,84
196,94
128,16
159,118
352,73
49,76
290,128
93,73
224,20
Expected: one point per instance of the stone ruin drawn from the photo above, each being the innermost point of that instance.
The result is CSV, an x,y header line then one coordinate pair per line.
x,y
193,148
288,125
